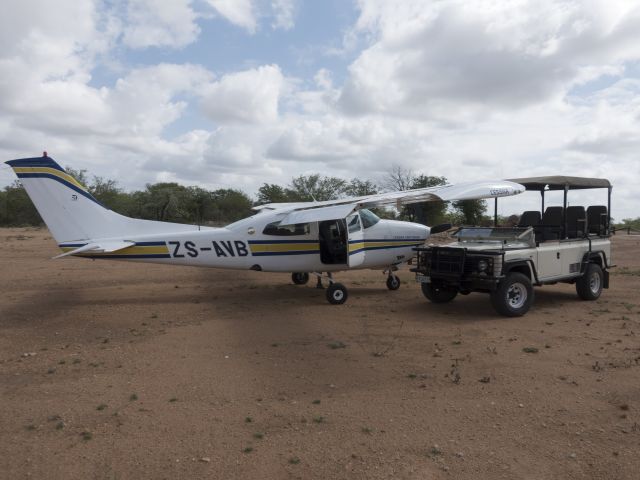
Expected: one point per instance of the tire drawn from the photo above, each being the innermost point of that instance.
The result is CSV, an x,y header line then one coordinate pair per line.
x,y
514,295
337,294
438,294
300,278
393,282
589,286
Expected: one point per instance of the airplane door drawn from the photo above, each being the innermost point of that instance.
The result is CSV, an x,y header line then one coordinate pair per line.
x,y
356,240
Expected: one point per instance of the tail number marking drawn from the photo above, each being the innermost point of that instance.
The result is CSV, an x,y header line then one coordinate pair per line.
x,y
222,248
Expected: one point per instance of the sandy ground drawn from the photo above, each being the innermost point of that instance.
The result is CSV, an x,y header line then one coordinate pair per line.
x,y
113,370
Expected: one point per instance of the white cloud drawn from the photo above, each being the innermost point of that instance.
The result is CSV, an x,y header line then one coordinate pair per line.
x,y
462,89
238,12
158,23
283,11
249,96
482,54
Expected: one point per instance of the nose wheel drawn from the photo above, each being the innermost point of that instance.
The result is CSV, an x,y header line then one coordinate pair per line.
x,y
393,282
336,293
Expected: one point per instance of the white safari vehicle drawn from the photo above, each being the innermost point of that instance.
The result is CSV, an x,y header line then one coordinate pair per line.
x,y
568,244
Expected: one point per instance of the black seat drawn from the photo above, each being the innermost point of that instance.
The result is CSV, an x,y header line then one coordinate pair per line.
x,y
597,219
576,222
530,218
550,226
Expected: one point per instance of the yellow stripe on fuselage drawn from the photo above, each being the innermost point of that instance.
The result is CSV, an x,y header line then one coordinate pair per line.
x,y
356,246
51,171
409,243
283,247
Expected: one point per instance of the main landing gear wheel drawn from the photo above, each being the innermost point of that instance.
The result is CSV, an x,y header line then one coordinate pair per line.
x,y
589,286
299,278
337,293
514,295
393,282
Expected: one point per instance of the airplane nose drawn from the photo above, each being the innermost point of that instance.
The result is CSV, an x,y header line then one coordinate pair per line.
x,y
422,231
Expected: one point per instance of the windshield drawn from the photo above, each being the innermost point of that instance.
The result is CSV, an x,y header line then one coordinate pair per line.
x,y
496,234
369,218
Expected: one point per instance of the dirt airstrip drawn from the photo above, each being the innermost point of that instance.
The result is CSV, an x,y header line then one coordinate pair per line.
x,y
113,370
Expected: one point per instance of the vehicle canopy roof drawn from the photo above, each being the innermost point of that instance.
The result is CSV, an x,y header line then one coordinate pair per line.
x,y
559,182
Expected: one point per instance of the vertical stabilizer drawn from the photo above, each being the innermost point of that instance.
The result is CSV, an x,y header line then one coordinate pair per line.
x,y
70,211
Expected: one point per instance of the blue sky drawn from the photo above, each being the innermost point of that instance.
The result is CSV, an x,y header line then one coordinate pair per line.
x,y
235,93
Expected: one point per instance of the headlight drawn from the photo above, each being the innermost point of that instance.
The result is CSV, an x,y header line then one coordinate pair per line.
x,y
483,265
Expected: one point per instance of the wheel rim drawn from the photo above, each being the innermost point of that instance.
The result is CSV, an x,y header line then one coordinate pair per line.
x,y
594,283
338,295
516,295
394,281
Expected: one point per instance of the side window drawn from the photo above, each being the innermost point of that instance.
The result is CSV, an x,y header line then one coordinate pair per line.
x,y
353,223
369,218
286,230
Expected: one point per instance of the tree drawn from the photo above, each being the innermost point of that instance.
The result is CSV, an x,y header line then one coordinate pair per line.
x,y
471,212
16,208
306,188
427,213
360,188
398,178
163,201
231,205
272,193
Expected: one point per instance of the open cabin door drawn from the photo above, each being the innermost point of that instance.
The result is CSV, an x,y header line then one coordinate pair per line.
x,y
356,240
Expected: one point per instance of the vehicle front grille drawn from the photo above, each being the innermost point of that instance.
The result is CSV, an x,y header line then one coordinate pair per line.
x,y
457,262
447,261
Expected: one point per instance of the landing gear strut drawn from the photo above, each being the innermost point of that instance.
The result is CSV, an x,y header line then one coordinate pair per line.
x,y
336,293
393,282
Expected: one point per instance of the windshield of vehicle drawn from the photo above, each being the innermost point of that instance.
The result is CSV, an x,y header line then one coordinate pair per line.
x,y
497,234
368,218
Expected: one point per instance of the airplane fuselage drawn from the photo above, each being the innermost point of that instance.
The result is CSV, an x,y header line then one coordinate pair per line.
x,y
250,244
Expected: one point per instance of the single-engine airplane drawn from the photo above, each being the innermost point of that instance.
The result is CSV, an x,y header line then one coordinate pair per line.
x,y
303,238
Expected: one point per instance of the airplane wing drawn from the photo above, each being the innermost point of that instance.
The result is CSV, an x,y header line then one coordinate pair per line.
x,y
102,247
331,209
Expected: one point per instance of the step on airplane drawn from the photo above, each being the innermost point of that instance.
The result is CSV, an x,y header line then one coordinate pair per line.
x,y
316,238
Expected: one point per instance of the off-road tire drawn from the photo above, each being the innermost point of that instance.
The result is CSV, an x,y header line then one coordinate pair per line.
x,y
589,285
514,295
437,294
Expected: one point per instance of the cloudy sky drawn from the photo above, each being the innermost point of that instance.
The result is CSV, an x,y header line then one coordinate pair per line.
x,y
235,93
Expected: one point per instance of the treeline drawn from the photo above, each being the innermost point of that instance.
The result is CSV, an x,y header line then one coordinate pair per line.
x,y
173,202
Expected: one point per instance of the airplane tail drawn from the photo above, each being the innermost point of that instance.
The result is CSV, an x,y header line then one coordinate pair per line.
x,y
71,212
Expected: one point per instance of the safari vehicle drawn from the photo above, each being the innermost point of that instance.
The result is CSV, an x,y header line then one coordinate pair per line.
x,y
567,244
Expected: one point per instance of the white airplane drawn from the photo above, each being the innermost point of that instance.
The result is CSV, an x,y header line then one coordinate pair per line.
x,y
303,238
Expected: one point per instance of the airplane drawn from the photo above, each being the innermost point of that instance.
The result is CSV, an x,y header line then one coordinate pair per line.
x,y
304,238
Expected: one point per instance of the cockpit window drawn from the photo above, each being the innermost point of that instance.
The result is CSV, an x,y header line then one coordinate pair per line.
x,y
286,230
353,223
369,219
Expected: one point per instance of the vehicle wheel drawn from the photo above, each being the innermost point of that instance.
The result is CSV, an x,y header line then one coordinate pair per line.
x,y
337,294
514,295
589,286
393,282
299,278
438,294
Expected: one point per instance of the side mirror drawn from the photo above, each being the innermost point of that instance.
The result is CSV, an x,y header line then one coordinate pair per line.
x,y
443,227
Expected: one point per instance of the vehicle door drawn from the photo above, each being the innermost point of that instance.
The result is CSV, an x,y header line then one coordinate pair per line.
x,y
549,260
356,240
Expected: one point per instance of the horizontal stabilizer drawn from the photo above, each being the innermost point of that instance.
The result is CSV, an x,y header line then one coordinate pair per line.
x,y
102,247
